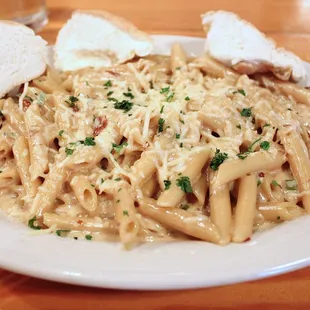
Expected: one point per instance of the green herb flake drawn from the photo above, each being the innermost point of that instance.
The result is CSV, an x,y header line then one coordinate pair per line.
x,y
118,148
60,133
266,125
110,93
238,126
170,97
259,182
88,237
275,183
129,95
125,212
167,184
165,90
187,98
265,145
69,151
108,84
250,148
161,123
177,136
291,185
31,224
162,109
123,105
118,200
247,112
243,155
185,184
182,121
240,91
101,181
86,82
181,144
117,179
60,232
89,141
278,218
218,159
184,206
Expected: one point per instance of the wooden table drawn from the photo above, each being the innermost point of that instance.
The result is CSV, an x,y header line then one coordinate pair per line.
x,y
288,22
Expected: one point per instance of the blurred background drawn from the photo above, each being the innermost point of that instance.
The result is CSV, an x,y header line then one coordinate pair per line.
x,y
286,21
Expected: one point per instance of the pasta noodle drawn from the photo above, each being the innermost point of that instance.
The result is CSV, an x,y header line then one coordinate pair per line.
x,y
158,148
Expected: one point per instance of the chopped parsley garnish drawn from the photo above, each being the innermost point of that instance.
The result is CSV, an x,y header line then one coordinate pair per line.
x,y
123,105
250,148
185,184
110,93
247,112
108,84
181,144
88,237
60,232
170,97
243,155
238,126
265,145
167,184
86,82
72,101
125,212
31,224
69,151
275,183
165,90
117,179
112,99
291,185
177,136
184,207
266,125
161,123
240,91
129,95
218,159
118,148
89,141
162,109
118,200
101,180
60,133
259,182
182,121
278,218
187,98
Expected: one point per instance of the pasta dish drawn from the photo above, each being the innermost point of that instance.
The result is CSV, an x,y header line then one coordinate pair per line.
x,y
157,148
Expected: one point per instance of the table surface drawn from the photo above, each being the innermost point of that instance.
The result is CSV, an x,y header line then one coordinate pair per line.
x,y
288,23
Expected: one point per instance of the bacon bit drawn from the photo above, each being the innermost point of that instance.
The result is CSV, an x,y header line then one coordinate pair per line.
x,y
247,239
261,174
113,73
21,88
80,222
101,123
26,104
75,108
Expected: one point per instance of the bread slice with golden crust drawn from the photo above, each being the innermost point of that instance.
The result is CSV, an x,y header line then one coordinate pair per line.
x,y
98,39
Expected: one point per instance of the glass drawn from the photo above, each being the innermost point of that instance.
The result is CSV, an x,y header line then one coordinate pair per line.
x,y
31,13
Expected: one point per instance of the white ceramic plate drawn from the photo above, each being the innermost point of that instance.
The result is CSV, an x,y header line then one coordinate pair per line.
x,y
155,266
